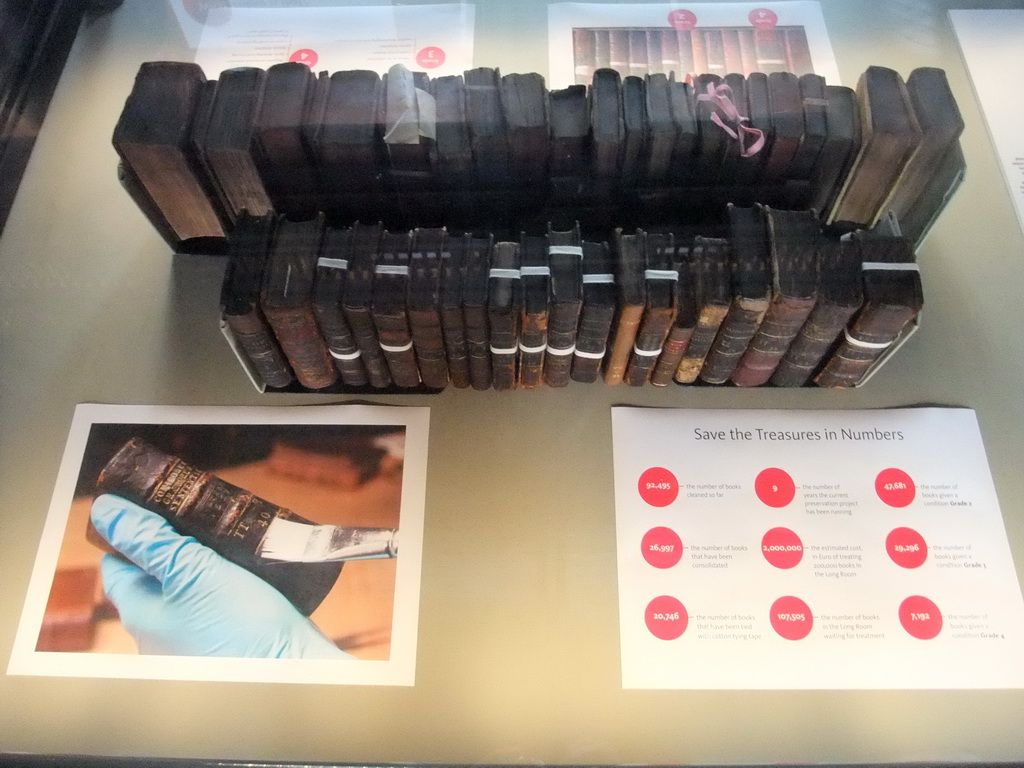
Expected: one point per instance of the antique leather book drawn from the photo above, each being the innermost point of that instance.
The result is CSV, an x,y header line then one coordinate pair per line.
x,y
201,115
409,131
660,278
793,238
240,300
454,150
683,167
635,130
453,279
535,287
713,276
329,288
751,289
224,517
288,171
425,305
475,298
287,301
678,339
390,307
524,100
840,294
357,301
892,300
661,136
503,314
949,173
941,125
569,152
152,137
597,312
229,146
812,96
631,297
737,170
565,257
607,127
759,112
487,130
712,143
890,135
842,142
787,116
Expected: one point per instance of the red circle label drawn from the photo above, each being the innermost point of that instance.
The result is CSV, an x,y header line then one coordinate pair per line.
x,y
666,617
791,618
763,18
661,547
658,487
774,487
306,56
906,547
895,487
682,19
920,617
782,548
430,57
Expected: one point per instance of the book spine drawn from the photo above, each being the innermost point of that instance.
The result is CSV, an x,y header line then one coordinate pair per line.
x,y
781,324
454,333
297,332
739,326
478,346
224,517
396,343
671,355
649,345
561,343
365,334
533,342
341,345
817,335
708,323
872,332
591,342
428,342
622,344
257,342
798,54
504,347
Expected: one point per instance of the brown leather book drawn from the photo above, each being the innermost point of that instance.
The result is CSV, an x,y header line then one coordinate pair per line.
x,y
453,280
892,300
685,323
596,314
240,300
840,295
713,263
69,621
287,301
153,139
503,314
224,517
631,298
390,308
751,288
357,301
660,278
475,299
793,238
565,257
535,287
328,296
425,305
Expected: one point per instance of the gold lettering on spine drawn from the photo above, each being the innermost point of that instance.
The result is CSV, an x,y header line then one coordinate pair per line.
x,y
176,486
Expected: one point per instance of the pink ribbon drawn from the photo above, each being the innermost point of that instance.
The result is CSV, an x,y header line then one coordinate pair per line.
x,y
720,97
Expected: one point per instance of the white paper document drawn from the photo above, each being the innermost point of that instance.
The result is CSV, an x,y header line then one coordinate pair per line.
x,y
436,39
700,38
812,550
992,44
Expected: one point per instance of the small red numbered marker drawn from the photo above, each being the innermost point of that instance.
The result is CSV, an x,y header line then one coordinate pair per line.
x,y
666,617
774,487
782,548
682,19
920,617
658,487
791,618
906,547
763,18
430,57
306,56
661,547
894,487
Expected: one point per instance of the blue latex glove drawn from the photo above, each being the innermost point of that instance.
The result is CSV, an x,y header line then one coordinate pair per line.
x,y
180,597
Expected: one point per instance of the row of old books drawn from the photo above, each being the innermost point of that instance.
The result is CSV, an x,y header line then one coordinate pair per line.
x,y
489,152
716,50
310,306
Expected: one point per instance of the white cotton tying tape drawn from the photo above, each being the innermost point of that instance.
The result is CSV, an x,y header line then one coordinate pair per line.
x,y
504,350
535,271
603,277
568,250
660,274
566,351
646,352
502,272
345,355
403,348
866,344
532,350
392,269
591,355
900,266
324,261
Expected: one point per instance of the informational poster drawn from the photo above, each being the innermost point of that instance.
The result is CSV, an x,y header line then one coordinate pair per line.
x,y
436,39
812,550
232,544
700,38
990,41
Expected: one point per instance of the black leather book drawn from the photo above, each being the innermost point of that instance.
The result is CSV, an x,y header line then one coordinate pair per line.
x,y
842,143
608,130
660,278
787,116
390,307
569,156
759,112
357,301
815,107
535,287
597,312
661,135
713,140
475,299
328,295
424,305
949,174
565,257
684,157
409,131
453,280
487,129
524,101
635,131
503,314
454,149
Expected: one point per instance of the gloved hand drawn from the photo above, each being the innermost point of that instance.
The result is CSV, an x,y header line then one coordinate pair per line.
x,y
180,597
